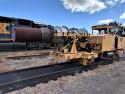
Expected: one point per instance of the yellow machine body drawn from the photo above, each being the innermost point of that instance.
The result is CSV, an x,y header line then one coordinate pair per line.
x,y
105,42
120,43
82,56
86,48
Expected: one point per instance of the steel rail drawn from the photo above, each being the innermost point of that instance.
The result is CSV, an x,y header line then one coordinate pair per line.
x,y
15,80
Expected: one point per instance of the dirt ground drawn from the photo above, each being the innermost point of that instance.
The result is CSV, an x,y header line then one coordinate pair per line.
x,y
106,79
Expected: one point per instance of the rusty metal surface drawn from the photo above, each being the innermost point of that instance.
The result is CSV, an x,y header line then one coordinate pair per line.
x,y
47,34
23,34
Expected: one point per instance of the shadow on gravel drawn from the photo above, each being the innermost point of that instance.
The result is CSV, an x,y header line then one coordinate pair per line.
x,y
96,64
106,62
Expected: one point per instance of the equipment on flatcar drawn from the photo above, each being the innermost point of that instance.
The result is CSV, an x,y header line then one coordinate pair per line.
x,y
72,44
86,48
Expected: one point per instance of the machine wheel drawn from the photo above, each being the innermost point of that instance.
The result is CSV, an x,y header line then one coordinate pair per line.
x,y
86,62
99,58
116,57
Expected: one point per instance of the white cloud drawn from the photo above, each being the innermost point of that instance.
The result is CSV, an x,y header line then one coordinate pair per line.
x,y
122,16
114,2
106,21
122,1
110,3
90,6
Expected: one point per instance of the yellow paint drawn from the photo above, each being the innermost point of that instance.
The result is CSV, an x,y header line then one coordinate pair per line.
x,y
3,27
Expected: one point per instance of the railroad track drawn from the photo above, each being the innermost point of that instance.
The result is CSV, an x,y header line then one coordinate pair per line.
x,y
15,80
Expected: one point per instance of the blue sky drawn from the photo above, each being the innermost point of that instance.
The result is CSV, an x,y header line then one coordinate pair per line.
x,y
71,13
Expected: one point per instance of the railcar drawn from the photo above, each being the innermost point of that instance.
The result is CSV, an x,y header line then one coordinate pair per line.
x,y
16,30
86,48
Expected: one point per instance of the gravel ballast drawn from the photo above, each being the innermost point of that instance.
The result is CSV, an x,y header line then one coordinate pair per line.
x,y
106,79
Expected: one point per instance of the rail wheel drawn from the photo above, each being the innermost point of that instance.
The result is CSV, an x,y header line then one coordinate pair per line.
x,y
116,57
99,58
86,61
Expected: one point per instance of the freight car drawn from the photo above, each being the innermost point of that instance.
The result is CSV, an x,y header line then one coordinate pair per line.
x,y
7,24
5,28
44,36
39,35
88,48
15,30
34,35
